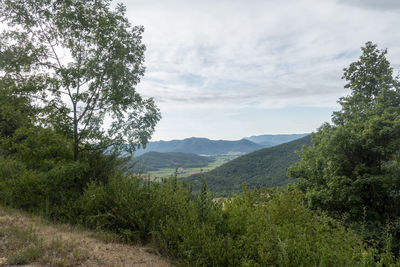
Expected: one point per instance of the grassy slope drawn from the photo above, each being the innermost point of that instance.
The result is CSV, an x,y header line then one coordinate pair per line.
x,y
26,239
266,167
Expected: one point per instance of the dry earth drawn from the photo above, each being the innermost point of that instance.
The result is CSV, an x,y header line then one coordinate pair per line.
x,y
91,251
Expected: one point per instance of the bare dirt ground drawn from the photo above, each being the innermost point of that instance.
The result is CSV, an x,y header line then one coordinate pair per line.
x,y
81,246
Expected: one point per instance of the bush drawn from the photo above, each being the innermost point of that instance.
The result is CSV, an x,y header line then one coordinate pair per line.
x,y
130,207
256,228
40,148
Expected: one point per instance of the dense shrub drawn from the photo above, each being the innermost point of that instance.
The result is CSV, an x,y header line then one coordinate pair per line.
x,y
131,207
19,187
37,178
262,230
255,228
40,148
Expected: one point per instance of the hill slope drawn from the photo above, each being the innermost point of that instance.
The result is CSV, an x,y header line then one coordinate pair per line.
x,y
152,161
266,167
26,240
201,146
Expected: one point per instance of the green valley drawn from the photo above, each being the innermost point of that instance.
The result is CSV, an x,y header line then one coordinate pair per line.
x,y
185,171
266,167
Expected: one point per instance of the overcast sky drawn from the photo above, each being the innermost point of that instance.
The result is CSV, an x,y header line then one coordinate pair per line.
x,y
226,69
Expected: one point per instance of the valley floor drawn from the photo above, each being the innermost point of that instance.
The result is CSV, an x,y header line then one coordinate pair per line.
x,y
26,239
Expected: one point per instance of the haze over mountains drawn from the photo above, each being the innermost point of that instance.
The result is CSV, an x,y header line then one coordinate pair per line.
x,y
270,140
204,146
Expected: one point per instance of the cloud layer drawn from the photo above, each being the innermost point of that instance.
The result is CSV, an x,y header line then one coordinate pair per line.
x,y
236,55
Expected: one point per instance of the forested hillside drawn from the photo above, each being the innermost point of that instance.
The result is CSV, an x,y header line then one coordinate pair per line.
x,y
266,167
152,161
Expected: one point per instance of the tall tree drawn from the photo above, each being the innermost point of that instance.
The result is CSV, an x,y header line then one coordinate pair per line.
x,y
80,61
353,166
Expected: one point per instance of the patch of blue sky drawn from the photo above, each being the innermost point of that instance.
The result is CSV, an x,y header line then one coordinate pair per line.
x,y
347,54
224,85
192,80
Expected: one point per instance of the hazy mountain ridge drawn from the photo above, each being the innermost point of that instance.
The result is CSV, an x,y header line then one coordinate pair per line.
x,y
266,167
270,140
201,146
205,146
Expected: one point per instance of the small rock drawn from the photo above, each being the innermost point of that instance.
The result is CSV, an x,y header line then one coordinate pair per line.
x,y
3,261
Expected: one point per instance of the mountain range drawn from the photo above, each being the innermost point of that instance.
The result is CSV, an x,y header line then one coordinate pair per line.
x,y
204,146
201,146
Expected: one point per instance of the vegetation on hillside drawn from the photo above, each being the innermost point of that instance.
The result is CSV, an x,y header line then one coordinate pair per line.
x,y
152,161
254,228
266,167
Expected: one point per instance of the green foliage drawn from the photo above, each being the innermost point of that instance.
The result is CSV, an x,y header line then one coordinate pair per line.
x,y
41,176
266,167
353,166
80,61
40,148
15,111
23,190
130,207
255,228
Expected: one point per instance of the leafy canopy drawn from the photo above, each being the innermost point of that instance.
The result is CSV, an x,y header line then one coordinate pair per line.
x,y
80,62
353,166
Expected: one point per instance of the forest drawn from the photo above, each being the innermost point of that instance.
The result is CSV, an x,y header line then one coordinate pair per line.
x,y
66,124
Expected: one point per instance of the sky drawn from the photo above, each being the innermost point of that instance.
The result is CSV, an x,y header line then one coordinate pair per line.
x,y
228,69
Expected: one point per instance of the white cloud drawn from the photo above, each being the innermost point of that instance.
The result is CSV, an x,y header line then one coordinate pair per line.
x,y
266,54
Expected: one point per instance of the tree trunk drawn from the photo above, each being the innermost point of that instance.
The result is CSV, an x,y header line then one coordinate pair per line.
x,y
76,141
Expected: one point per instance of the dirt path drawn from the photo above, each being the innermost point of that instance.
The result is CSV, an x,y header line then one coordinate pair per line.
x,y
97,252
